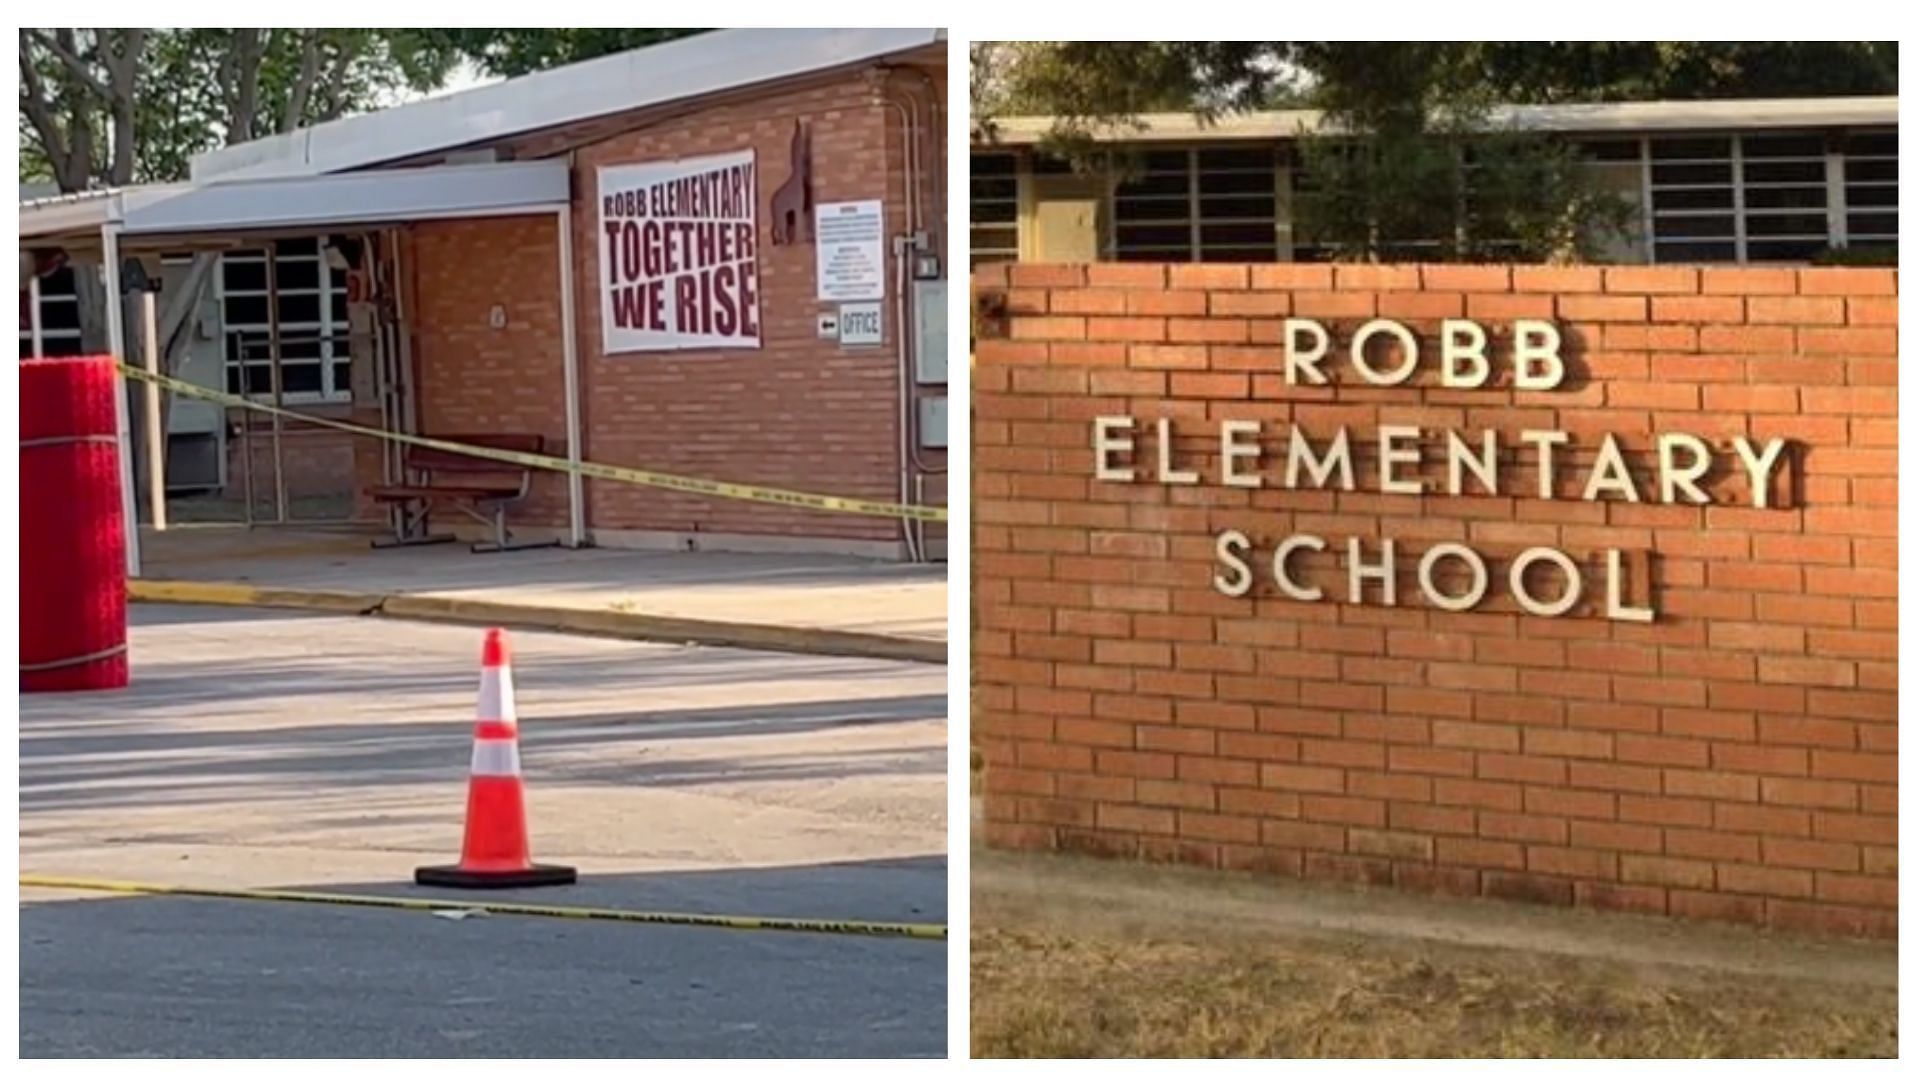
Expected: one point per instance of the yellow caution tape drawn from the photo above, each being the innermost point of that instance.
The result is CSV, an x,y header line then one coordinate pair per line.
x,y
503,908
699,486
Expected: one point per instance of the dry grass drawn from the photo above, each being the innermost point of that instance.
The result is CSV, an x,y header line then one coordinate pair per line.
x,y
1040,993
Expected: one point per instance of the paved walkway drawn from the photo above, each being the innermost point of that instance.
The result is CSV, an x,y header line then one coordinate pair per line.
x,y
814,592
289,750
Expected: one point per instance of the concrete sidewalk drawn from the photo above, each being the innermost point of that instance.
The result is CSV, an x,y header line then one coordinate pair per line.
x,y
798,602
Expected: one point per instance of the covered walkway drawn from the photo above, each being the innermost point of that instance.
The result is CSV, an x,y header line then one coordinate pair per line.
x,y
113,229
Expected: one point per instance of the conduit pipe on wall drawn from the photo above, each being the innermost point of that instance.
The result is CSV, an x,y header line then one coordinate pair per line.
x,y
903,247
917,176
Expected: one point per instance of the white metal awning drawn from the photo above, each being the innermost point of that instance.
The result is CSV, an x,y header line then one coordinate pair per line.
x,y
309,202
676,71
104,224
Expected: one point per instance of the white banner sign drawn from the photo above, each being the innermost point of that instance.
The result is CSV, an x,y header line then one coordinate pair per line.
x,y
851,257
678,247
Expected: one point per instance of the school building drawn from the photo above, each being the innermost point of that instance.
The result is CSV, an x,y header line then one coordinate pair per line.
x,y
722,257
1754,181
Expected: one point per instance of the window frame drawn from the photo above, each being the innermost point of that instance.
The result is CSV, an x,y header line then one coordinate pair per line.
x,y
49,334
327,330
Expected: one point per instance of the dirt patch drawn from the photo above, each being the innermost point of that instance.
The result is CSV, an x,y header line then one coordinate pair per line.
x,y
1078,958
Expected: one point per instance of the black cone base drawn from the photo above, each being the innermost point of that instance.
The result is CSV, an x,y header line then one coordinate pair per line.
x,y
459,878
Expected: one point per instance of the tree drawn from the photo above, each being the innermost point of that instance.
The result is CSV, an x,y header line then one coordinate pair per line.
x,y
1407,159
163,96
1109,81
518,51
1552,71
112,107
1088,85
1408,164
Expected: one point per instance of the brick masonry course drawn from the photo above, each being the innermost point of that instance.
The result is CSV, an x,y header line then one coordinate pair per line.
x,y
1733,759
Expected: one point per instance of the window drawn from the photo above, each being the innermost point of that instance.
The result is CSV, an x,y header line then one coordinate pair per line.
x,y
1237,204
1690,182
1214,206
314,354
1871,189
1153,208
1783,197
59,317
1771,197
993,209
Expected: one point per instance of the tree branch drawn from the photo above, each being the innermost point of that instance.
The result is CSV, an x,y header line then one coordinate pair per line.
x,y
244,100
337,79
124,66
76,66
39,108
302,90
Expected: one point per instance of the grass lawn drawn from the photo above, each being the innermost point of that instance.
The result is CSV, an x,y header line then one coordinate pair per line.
x,y
1094,973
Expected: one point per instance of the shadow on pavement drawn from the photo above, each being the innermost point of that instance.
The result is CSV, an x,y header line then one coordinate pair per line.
x,y
65,766
189,977
359,714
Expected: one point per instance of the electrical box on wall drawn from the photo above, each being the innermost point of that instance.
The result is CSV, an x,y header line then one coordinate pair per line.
x,y
933,423
930,337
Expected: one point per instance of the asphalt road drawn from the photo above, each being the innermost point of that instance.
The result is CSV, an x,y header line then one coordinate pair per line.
x,y
269,750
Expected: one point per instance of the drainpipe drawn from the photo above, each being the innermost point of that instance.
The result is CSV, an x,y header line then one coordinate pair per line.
x,y
903,248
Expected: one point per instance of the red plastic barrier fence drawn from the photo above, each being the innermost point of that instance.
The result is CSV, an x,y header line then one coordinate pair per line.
x,y
73,569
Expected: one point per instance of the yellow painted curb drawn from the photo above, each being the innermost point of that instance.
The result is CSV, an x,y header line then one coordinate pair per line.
x,y
241,594
505,908
635,626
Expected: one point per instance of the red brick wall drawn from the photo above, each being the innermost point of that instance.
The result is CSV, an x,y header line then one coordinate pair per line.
x,y
796,413
473,377
319,462
1734,758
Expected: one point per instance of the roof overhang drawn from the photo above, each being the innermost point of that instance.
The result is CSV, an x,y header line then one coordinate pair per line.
x,y
299,203
639,78
1628,117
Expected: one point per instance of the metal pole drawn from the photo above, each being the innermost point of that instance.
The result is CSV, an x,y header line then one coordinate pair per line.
x,y
570,364
273,370
156,432
33,305
246,443
117,346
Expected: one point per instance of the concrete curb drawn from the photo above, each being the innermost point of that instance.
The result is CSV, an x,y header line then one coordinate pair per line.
x,y
636,626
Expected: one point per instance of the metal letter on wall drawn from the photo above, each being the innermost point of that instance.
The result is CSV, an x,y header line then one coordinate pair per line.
x,y
793,200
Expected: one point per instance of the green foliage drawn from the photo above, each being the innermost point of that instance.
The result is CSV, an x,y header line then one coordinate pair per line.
x,y
1407,164
1863,255
1450,189
1102,82
518,51
196,90
192,94
1552,71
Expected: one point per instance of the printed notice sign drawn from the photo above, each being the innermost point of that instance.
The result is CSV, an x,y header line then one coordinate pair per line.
x,y
849,250
679,255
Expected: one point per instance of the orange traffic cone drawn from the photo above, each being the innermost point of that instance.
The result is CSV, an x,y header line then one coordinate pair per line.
x,y
494,854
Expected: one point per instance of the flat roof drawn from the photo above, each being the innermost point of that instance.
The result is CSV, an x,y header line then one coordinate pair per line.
x,y
279,203
620,82
1625,117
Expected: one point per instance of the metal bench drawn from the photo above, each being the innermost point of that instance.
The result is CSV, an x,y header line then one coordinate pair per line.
x,y
480,488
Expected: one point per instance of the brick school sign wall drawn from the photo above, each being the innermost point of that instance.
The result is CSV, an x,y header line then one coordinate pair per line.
x,y
1564,584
